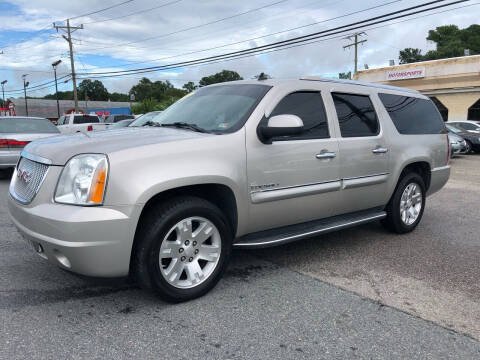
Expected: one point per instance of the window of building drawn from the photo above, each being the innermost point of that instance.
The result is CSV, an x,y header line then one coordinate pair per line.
x,y
441,108
474,111
412,115
356,115
309,107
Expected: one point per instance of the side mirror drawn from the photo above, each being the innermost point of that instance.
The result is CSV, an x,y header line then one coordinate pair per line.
x,y
281,125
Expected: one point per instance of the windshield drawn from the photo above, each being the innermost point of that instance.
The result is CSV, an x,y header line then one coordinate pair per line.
x,y
146,117
217,109
27,126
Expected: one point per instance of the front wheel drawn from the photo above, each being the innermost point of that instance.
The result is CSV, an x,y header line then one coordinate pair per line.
x,y
405,209
183,248
468,147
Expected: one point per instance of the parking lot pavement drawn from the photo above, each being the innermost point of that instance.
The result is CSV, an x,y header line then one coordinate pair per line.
x,y
277,303
432,272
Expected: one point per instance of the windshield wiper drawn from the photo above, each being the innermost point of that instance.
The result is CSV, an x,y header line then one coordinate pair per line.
x,y
152,123
184,125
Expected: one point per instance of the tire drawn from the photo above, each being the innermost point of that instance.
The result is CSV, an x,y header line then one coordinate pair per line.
x,y
394,221
469,147
174,276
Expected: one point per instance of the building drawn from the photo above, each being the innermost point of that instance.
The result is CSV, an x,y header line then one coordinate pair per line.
x,y
453,84
48,108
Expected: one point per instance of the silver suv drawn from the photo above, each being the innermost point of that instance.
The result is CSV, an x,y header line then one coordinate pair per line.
x,y
246,164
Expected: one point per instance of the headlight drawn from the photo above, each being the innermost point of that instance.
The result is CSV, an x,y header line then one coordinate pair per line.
x,y
83,180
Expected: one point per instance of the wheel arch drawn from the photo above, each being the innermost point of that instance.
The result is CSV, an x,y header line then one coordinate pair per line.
x,y
219,194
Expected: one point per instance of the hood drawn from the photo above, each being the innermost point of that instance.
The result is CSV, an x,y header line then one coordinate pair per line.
x,y
455,137
60,149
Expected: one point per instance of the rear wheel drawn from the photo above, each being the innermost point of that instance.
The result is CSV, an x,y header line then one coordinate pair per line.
x,y
183,249
405,209
468,147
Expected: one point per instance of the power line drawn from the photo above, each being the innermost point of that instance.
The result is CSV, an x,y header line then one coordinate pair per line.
x,y
298,39
134,13
101,10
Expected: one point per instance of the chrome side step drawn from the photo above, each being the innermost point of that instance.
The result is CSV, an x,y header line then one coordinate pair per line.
x,y
286,234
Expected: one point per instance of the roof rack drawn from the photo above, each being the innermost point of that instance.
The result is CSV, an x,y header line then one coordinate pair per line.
x,y
361,83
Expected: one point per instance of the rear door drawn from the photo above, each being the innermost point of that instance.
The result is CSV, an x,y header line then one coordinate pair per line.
x,y
363,148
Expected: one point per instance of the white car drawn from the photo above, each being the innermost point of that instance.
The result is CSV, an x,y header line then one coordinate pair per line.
x,y
467,125
74,123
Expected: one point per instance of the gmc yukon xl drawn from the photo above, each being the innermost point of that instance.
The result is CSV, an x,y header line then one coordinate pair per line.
x,y
245,164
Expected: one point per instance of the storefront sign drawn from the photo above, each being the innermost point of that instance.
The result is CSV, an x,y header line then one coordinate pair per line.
x,y
406,74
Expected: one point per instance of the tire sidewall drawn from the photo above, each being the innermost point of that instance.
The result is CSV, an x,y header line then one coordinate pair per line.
x,y
407,180
156,237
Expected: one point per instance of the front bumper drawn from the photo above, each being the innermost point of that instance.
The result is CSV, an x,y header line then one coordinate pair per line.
x,y
92,241
9,158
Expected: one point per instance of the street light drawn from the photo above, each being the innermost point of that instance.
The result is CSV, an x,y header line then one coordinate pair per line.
x,y
3,92
25,84
54,65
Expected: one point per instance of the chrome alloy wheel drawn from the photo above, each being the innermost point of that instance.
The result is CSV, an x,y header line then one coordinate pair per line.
x,y
411,203
190,252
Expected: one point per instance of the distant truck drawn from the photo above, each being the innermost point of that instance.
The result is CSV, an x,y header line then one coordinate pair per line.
x,y
74,123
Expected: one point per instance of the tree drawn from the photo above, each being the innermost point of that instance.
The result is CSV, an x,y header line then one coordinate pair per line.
x,y
223,76
62,95
347,76
146,89
95,90
450,42
262,76
118,97
145,106
190,86
410,55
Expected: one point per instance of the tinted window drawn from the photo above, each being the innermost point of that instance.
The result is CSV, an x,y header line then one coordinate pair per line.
x,y
27,126
413,115
467,126
356,115
61,120
83,119
308,106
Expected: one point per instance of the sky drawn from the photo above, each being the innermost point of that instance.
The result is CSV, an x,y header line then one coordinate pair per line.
x,y
141,33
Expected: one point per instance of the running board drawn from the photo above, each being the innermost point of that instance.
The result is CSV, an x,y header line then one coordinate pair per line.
x,y
286,234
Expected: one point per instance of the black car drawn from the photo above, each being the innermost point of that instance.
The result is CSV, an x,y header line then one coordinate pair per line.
x,y
472,140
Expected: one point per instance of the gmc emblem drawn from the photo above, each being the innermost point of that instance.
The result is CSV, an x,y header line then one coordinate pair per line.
x,y
24,175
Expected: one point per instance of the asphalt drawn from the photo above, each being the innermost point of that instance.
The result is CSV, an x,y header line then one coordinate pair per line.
x,y
338,296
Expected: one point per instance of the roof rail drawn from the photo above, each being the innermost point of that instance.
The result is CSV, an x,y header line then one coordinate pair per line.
x,y
361,83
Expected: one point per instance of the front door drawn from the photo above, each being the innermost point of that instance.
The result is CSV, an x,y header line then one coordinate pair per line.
x,y
295,178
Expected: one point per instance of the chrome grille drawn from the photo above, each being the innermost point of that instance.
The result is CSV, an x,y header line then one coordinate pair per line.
x,y
27,180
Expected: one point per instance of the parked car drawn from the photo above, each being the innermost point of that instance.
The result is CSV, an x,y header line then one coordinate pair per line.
x,y
118,117
74,123
18,131
457,145
467,125
245,164
121,124
472,140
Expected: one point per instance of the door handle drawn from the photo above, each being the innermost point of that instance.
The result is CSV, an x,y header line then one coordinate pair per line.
x,y
380,150
325,155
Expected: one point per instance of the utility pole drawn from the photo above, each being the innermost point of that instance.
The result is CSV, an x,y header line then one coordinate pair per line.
x,y
355,43
3,92
25,84
70,30
54,65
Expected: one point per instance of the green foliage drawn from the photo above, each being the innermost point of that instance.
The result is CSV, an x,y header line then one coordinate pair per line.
x,y
410,55
347,76
95,90
146,89
145,106
223,76
118,97
62,95
451,42
190,86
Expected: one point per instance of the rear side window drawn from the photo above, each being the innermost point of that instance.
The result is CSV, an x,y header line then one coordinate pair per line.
x,y
413,116
27,126
309,107
356,115
83,119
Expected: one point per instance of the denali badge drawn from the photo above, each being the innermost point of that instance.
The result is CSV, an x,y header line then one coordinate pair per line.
x,y
24,175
